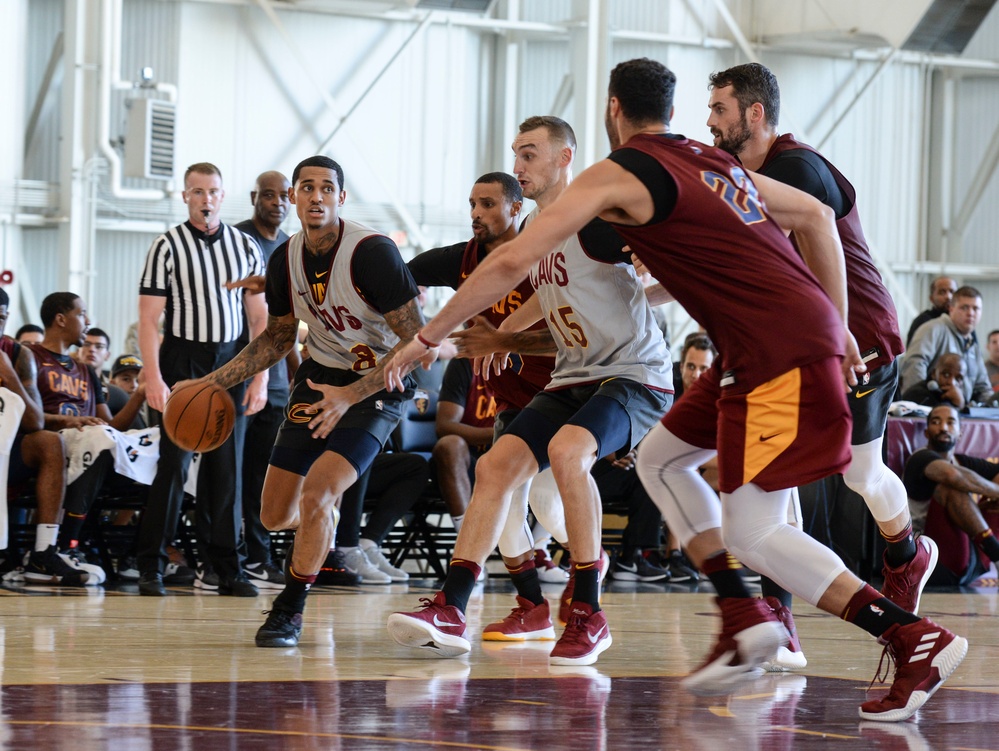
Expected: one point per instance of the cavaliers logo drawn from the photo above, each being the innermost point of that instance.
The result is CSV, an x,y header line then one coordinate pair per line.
x,y
422,404
300,413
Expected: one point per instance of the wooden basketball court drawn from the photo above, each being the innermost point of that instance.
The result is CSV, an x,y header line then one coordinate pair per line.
x,y
98,668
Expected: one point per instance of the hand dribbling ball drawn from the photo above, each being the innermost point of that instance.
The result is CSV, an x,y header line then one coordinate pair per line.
x,y
199,416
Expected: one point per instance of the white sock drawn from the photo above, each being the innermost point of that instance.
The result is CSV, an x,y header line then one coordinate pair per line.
x,y
45,536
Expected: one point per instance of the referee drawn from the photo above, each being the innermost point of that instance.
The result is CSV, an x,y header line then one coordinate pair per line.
x,y
184,277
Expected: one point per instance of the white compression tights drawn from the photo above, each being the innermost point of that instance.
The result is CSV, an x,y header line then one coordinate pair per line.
x,y
667,468
754,523
880,488
546,503
756,531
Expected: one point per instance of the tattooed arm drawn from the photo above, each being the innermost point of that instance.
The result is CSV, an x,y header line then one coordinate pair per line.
x,y
270,347
405,321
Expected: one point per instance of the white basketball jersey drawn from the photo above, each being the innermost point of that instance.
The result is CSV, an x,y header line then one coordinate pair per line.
x,y
600,318
344,330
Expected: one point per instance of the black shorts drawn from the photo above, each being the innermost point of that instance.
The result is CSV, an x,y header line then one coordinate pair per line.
x,y
869,401
376,416
618,413
18,472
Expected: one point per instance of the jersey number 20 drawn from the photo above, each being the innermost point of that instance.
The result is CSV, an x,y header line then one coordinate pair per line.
x,y
738,192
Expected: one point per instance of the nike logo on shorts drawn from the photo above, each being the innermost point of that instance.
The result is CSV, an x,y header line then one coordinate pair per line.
x,y
764,438
862,394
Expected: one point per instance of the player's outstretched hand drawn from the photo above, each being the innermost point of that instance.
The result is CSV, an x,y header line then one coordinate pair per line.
x,y
481,338
404,360
252,284
334,404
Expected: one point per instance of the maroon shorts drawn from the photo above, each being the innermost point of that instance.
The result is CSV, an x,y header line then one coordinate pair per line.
x,y
790,431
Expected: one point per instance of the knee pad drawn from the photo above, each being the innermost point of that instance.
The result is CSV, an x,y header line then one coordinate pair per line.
x,y
546,503
881,489
515,537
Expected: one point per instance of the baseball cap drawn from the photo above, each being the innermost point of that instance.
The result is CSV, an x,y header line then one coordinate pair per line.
x,y
125,362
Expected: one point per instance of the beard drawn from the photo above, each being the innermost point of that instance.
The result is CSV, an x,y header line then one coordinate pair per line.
x,y
942,444
735,138
611,130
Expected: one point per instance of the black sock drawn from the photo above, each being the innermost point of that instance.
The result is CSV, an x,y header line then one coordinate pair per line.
x,y
874,613
587,588
724,572
773,589
989,544
900,548
292,597
525,578
460,582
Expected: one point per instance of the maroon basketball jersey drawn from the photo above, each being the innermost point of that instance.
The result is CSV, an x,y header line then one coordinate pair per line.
x,y
732,268
480,403
527,374
66,388
872,315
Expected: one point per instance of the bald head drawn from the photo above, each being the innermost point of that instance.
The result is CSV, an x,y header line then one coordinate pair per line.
x,y
270,200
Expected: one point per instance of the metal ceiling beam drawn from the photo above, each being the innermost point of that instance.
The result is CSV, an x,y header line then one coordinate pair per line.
x,y
411,225
986,170
55,56
863,89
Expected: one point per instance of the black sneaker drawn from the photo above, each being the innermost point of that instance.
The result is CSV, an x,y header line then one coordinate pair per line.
x,y
281,629
264,575
639,569
206,579
237,587
334,572
48,567
681,569
176,574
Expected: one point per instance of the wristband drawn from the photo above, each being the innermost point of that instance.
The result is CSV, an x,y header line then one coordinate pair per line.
x,y
426,343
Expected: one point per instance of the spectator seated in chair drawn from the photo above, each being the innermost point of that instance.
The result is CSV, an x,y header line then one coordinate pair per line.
x,y
945,384
953,498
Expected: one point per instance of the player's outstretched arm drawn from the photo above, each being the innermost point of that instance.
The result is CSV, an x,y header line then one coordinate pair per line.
x,y
268,348
960,478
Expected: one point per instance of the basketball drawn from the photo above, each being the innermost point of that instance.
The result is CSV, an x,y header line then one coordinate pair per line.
x,y
199,416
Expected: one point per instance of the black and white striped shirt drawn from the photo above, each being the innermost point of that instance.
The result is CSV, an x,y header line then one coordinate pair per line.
x,y
191,274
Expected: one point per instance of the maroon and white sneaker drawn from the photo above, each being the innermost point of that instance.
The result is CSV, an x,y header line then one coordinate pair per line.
x,y
788,657
586,635
548,572
904,585
437,627
925,655
751,634
526,622
565,603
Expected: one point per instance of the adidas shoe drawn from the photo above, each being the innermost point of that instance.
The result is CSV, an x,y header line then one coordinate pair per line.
x,y
681,569
334,573
281,629
264,575
205,578
379,561
48,567
357,563
526,622
751,634
639,569
788,657
75,558
437,627
904,585
548,572
586,635
925,655
565,603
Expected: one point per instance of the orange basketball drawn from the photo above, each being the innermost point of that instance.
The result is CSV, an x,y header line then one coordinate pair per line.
x,y
199,416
